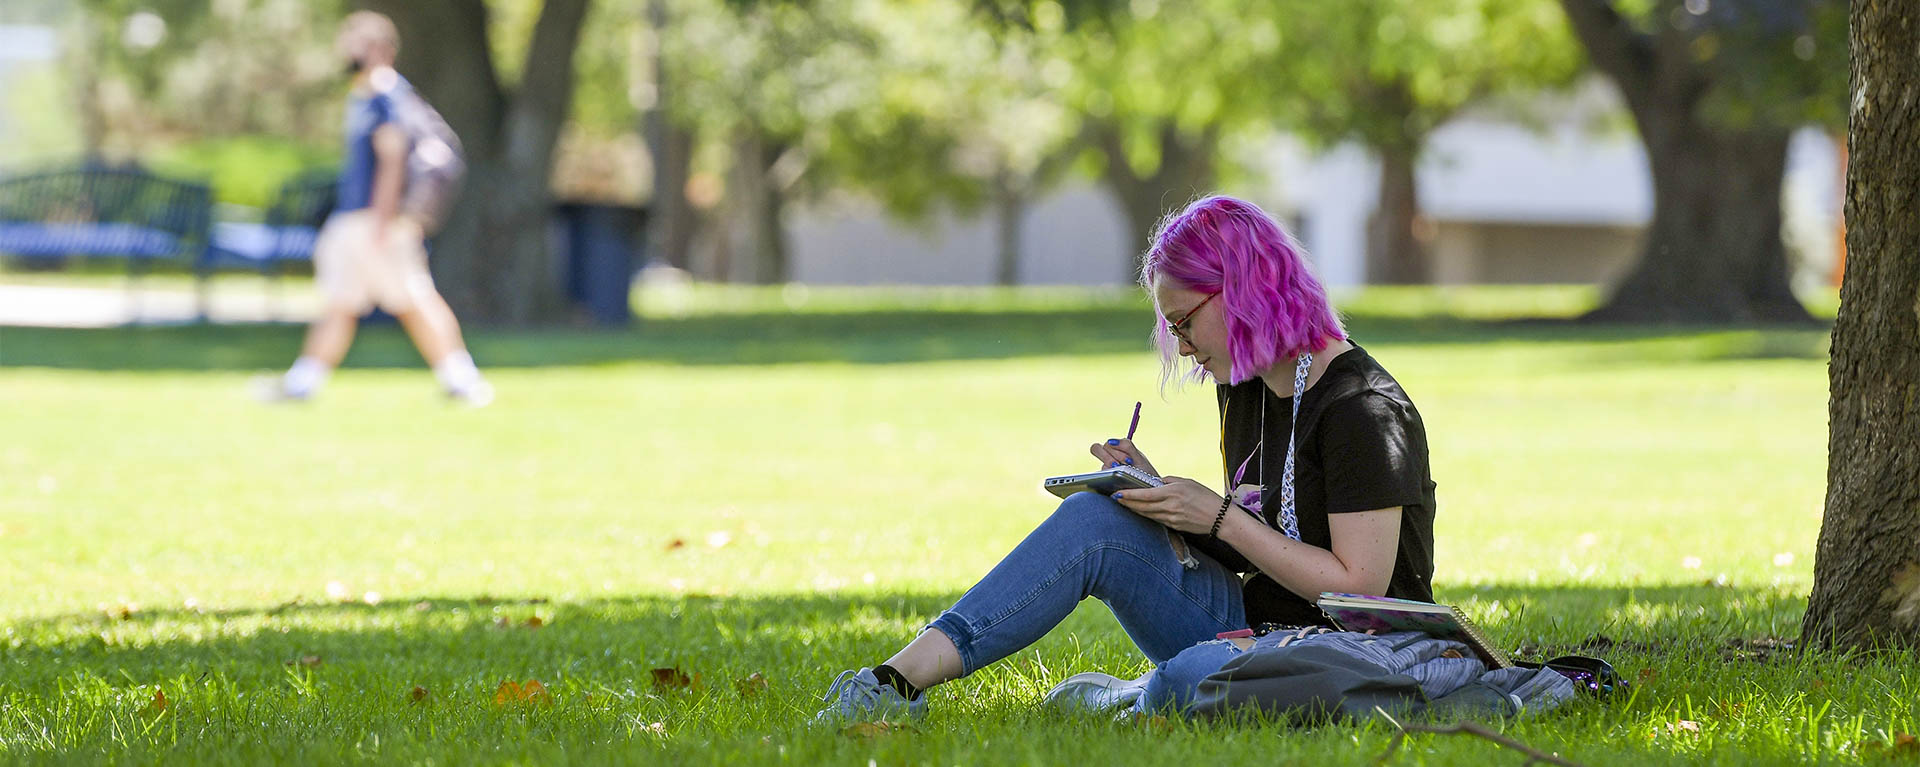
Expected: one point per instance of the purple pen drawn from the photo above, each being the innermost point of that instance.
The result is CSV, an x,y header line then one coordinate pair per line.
x,y
1136,421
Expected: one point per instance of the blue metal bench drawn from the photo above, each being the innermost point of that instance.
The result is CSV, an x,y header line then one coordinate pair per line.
x,y
104,211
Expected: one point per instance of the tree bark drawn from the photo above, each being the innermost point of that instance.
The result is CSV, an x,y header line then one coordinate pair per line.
x,y
1010,207
93,120
1713,252
1185,171
1866,575
492,261
671,220
1396,253
756,204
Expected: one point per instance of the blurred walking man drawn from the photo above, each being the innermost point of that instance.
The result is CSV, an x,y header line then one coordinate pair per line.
x,y
402,169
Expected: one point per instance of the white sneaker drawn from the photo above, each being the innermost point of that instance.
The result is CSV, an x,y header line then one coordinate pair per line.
x,y
478,395
273,390
858,696
1093,691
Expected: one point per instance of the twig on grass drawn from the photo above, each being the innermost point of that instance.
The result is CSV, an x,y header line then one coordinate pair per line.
x,y
1469,728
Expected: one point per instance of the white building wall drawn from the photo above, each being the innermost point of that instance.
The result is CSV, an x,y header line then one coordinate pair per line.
x,y
1075,236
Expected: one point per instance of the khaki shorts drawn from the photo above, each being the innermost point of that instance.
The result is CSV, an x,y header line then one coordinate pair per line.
x,y
356,274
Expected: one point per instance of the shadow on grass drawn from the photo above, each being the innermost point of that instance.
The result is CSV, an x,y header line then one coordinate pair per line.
x,y
793,639
854,337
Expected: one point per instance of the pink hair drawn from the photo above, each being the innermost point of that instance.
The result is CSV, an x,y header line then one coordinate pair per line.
x,y
1274,307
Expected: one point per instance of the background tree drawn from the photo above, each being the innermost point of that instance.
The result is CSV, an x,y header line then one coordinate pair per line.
x,y
968,115
1866,579
188,88
757,82
1715,88
671,218
1160,88
1388,73
492,261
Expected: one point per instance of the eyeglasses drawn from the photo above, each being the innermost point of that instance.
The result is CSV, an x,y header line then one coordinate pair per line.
x,y
1179,329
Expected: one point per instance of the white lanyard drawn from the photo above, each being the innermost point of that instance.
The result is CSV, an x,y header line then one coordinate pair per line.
x,y
1289,519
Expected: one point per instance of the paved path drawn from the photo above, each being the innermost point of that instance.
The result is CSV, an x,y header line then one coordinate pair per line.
x,y
96,307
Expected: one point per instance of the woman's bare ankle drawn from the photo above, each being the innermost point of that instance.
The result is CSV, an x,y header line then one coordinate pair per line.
x,y
928,660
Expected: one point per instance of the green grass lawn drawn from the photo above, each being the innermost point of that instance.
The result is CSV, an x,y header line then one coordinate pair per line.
x,y
790,483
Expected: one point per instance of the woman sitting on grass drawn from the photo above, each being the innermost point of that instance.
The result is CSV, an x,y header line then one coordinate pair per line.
x,y
1326,465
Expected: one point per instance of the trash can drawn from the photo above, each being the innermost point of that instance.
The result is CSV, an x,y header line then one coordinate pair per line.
x,y
597,244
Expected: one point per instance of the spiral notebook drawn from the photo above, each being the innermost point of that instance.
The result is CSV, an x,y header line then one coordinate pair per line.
x,y
1359,612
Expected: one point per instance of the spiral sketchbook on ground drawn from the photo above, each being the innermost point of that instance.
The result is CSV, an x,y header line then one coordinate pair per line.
x,y
1359,612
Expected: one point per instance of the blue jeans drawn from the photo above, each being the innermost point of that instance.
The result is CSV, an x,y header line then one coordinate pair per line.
x,y
1094,547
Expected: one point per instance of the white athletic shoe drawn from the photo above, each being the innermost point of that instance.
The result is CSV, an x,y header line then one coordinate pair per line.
x,y
1095,692
478,395
858,696
273,390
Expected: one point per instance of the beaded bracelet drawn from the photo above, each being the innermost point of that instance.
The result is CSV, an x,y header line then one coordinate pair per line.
x,y
1225,503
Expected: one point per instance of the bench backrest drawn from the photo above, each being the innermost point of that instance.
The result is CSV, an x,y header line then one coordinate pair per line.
x,y
305,200
75,200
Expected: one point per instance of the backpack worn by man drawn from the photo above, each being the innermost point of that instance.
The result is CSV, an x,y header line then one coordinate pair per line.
x,y
435,165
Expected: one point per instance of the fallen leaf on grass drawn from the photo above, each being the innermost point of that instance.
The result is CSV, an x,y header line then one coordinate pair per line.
x,y
677,543
536,692
418,695
870,730
534,622
754,684
673,679
157,706
507,692
511,692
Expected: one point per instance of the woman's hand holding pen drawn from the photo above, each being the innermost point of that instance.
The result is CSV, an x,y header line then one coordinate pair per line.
x,y
1181,504
1121,452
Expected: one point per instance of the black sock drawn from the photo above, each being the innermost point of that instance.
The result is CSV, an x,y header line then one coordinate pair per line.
x,y
888,676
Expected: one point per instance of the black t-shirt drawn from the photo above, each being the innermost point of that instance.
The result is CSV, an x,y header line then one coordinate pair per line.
x,y
1360,446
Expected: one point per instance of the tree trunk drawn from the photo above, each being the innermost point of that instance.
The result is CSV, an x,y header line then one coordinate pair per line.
x,y
1395,252
93,120
492,261
758,252
1866,576
1713,252
1010,204
1184,173
671,220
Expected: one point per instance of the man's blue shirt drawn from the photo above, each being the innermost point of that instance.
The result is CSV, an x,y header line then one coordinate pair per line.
x,y
366,111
